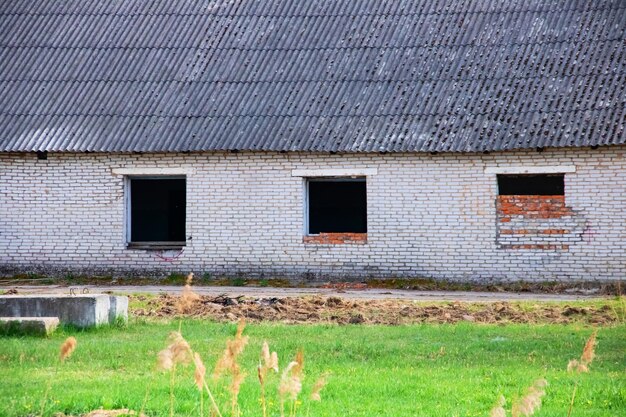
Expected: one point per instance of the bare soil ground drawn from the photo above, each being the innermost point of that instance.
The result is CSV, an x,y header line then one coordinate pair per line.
x,y
318,309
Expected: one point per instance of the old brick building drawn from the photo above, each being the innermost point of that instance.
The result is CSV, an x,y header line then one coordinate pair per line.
x,y
462,140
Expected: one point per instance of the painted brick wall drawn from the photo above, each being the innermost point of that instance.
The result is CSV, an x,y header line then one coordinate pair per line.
x,y
428,215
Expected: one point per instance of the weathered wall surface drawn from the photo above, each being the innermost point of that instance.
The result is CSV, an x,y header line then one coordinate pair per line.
x,y
433,216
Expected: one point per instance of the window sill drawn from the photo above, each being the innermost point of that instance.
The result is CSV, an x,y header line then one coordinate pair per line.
x,y
156,245
336,239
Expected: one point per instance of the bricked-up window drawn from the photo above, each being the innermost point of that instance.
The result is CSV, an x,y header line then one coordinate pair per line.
x,y
532,214
337,205
157,211
531,184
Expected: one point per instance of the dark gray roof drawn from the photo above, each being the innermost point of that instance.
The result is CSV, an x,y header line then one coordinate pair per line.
x,y
311,75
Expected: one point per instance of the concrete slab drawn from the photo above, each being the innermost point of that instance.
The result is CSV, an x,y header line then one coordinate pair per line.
x,y
118,311
81,310
39,326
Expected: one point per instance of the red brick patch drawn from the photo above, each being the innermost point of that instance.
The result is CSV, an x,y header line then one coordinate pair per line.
x,y
533,232
337,238
533,206
537,247
518,216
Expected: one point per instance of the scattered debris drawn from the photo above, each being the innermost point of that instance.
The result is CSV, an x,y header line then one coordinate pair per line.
x,y
343,311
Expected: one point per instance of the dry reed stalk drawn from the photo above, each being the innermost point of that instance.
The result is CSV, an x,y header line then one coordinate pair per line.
x,y
188,297
65,351
581,365
198,376
177,352
262,382
299,368
165,360
234,347
199,372
318,386
498,409
589,351
235,386
215,407
180,349
67,348
531,402
228,362
269,361
290,385
265,352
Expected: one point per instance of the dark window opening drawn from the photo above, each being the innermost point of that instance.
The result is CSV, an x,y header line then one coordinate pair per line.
x,y
157,210
529,184
337,206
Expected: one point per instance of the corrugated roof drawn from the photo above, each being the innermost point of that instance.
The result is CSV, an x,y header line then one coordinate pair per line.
x,y
314,75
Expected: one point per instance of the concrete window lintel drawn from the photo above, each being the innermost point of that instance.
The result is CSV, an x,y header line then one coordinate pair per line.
x,y
334,172
562,169
152,171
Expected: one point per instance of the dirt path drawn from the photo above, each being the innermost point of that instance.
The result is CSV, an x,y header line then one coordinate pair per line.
x,y
268,292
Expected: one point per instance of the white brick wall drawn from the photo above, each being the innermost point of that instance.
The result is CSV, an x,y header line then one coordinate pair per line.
x,y
428,216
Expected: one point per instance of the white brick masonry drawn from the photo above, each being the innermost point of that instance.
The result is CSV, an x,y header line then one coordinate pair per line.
x,y
428,216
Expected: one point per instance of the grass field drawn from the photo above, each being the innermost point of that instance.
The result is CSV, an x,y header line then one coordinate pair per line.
x,y
416,370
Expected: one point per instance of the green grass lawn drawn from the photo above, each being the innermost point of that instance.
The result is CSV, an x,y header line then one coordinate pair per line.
x,y
418,370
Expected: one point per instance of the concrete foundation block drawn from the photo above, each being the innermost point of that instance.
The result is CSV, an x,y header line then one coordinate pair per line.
x,y
81,310
39,326
118,311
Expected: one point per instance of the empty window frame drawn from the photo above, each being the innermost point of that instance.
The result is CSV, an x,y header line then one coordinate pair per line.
x,y
531,184
157,211
336,205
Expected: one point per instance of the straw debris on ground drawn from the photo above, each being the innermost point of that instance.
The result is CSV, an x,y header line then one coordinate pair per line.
x,y
343,311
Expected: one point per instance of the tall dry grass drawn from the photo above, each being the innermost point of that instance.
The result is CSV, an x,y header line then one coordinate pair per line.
x,y
65,351
180,353
188,298
524,406
268,362
528,404
531,401
318,386
498,409
229,363
580,366
67,348
228,367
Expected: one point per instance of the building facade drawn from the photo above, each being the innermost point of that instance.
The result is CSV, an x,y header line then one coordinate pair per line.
x,y
314,140
434,216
